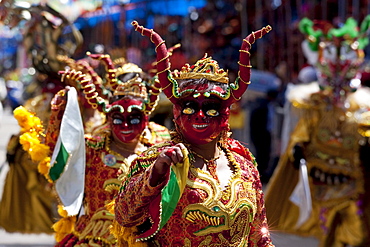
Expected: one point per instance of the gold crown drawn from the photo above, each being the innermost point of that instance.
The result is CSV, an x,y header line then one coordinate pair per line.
x,y
134,87
203,68
119,61
128,68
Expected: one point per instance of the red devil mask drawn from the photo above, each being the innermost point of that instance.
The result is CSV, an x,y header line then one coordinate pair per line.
x,y
129,122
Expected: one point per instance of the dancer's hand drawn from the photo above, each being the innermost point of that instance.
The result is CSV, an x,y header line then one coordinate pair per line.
x,y
59,98
169,156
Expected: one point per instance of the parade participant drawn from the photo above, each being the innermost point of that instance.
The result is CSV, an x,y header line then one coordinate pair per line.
x,y
319,187
28,202
109,150
202,188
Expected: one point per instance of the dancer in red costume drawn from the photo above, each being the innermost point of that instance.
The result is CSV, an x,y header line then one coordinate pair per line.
x,y
202,188
109,149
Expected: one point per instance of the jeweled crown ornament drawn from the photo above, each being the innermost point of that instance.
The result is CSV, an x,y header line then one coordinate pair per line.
x,y
128,68
133,87
204,68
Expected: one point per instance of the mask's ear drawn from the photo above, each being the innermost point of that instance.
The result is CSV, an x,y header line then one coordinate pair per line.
x,y
108,117
146,119
225,118
176,111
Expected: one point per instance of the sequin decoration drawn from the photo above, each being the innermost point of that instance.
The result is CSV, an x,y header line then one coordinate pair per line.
x,y
110,160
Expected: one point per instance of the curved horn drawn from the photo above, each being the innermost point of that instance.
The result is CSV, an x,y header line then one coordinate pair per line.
x,y
95,78
111,70
153,95
163,62
67,60
171,49
88,87
244,73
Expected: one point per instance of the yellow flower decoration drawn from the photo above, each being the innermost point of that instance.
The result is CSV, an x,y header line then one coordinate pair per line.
x,y
39,152
27,121
28,140
32,129
22,115
44,167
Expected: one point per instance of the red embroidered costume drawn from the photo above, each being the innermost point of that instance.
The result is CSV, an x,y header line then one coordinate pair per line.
x,y
202,188
109,149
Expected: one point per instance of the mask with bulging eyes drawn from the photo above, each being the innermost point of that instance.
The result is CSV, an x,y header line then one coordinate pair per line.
x,y
132,119
127,126
201,119
342,54
339,62
210,109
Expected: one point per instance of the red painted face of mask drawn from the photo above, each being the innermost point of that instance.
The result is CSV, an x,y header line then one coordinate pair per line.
x,y
129,125
201,119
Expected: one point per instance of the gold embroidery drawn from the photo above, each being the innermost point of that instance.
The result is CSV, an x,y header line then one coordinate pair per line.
x,y
233,214
112,184
206,242
98,229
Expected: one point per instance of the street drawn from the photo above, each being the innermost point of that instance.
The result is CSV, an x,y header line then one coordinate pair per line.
x,y
9,126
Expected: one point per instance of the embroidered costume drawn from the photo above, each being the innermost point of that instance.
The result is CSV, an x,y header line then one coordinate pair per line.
x,y
319,187
104,171
209,215
194,203
132,98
